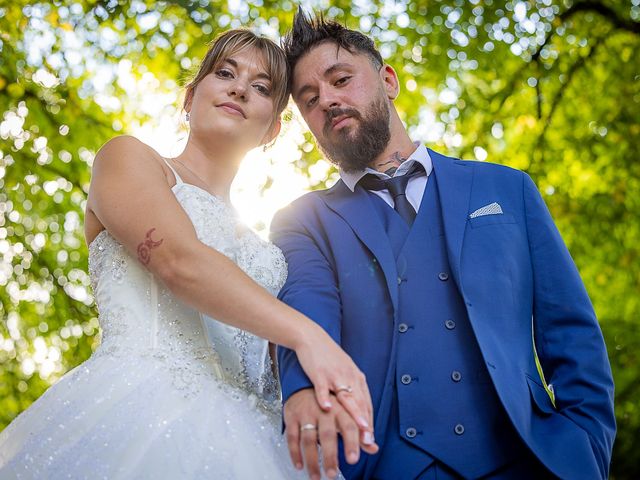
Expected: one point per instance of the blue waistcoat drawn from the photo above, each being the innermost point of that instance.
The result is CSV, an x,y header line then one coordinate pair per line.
x,y
445,406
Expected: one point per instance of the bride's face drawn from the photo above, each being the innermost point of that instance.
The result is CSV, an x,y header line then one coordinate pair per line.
x,y
234,102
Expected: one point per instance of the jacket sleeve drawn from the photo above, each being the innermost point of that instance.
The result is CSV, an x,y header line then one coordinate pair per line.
x,y
311,288
568,338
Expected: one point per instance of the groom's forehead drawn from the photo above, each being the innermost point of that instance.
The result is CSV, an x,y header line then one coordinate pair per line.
x,y
320,63
324,55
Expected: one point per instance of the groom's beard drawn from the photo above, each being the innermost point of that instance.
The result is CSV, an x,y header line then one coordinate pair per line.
x,y
354,147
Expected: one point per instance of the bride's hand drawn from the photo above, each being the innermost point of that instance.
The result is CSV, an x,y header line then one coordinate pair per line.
x,y
331,370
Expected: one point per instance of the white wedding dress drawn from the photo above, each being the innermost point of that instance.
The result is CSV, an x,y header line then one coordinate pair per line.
x,y
170,393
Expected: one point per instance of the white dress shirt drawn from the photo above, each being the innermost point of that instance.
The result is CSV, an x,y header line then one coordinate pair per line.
x,y
415,187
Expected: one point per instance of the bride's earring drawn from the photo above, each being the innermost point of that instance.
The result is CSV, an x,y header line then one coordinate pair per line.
x,y
267,146
187,117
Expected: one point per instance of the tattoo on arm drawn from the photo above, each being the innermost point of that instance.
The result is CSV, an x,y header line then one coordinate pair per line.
x,y
144,248
391,165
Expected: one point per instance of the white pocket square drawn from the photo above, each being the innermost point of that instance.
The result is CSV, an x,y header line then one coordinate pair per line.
x,y
491,209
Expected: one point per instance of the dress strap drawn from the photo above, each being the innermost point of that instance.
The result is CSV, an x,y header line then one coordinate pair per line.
x,y
178,178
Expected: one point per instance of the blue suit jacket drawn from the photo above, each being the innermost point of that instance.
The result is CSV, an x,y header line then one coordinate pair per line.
x,y
519,285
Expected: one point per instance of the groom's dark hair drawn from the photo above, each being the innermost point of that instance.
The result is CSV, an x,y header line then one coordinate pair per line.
x,y
308,32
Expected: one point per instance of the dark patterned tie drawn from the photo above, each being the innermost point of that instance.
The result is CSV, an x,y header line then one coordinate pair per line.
x,y
396,186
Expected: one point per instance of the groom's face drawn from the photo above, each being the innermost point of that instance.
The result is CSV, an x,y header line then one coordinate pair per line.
x,y
343,99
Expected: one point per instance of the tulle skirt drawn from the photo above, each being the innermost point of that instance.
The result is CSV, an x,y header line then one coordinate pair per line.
x,y
137,418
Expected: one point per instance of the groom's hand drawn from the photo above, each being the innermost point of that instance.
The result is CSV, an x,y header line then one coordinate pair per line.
x,y
307,425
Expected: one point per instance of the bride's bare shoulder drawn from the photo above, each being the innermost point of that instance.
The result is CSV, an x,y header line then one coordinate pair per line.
x,y
125,155
126,147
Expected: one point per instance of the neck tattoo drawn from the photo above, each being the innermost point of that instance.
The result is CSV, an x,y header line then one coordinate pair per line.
x,y
390,165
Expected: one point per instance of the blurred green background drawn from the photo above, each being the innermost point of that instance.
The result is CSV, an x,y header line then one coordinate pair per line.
x,y
551,87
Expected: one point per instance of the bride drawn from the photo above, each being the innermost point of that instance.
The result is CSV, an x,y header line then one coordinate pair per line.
x,y
171,392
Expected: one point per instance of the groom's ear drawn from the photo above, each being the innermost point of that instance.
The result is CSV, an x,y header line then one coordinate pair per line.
x,y
390,82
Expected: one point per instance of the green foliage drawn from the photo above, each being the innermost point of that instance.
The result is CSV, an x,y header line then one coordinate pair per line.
x,y
548,86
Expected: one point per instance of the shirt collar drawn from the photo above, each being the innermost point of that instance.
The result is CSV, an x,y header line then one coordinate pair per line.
x,y
420,155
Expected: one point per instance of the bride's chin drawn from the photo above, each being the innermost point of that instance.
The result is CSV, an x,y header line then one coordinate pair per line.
x,y
214,134
216,140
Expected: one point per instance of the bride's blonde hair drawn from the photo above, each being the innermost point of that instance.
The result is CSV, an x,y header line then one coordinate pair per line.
x,y
231,42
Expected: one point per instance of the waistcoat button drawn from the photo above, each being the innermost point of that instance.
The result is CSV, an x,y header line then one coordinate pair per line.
x,y
459,429
411,432
443,276
456,376
450,324
405,379
403,327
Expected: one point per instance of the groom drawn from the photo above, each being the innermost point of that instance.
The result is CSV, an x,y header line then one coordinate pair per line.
x,y
448,284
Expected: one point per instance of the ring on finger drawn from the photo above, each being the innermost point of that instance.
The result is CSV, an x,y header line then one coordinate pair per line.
x,y
308,426
344,388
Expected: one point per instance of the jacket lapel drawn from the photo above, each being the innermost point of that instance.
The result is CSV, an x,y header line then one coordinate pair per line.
x,y
357,210
454,187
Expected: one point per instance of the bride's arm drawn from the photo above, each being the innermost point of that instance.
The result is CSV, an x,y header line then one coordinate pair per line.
x,y
130,196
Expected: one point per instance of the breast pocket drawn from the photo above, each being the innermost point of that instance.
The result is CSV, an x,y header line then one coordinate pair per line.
x,y
502,218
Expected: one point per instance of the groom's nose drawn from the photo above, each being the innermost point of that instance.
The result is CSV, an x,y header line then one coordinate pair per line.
x,y
328,98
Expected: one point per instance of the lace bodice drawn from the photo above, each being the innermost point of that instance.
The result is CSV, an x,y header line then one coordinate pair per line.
x,y
140,317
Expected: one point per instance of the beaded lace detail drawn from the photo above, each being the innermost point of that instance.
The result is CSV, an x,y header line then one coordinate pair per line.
x,y
140,317
217,226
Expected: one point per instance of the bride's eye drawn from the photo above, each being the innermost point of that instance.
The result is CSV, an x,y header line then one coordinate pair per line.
x,y
224,73
263,89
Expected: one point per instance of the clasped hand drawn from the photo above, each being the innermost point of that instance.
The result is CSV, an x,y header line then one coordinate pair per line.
x,y
339,402
308,425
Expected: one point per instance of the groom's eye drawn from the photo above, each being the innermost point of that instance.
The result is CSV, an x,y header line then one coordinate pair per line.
x,y
342,80
312,101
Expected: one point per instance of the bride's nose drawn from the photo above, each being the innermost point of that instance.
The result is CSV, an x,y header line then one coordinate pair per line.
x,y
238,89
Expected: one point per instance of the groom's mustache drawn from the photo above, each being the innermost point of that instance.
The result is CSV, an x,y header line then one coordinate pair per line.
x,y
338,112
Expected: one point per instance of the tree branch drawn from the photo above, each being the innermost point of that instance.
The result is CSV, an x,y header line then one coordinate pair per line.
x,y
561,91
603,10
591,6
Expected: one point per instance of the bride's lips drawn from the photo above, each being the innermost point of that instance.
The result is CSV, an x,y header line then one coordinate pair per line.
x,y
232,108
